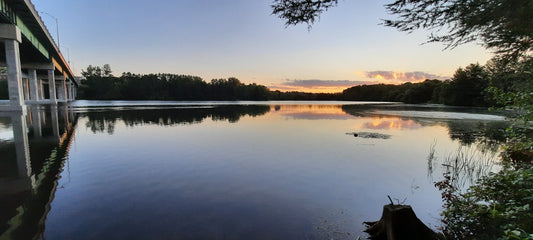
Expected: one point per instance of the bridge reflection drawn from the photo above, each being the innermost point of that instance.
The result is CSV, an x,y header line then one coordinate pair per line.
x,y
30,166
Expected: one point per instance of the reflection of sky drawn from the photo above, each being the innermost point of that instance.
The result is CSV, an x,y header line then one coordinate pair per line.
x,y
391,123
444,115
6,132
312,112
323,112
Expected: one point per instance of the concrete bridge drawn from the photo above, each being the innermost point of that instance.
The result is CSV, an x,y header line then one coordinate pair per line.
x,y
36,72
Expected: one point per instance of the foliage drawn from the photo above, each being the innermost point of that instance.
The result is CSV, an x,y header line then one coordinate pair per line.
x,y
499,205
104,71
301,11
295,95
467,87
503,25
512,85
165,87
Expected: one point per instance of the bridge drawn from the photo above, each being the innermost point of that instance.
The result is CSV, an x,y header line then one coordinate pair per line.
x,y
37,73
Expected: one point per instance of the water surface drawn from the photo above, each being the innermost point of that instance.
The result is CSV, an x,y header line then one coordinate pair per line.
x,y
226,170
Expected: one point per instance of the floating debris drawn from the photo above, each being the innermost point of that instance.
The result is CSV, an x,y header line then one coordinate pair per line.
x,y
369,135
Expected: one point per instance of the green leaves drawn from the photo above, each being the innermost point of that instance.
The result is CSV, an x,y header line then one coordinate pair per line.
x,y
498,207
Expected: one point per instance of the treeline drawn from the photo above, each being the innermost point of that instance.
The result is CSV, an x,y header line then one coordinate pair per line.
x,y
469,86
167,87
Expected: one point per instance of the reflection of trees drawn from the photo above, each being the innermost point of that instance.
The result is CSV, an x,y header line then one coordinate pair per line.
x,y
105,121
466,165
477,154
488,133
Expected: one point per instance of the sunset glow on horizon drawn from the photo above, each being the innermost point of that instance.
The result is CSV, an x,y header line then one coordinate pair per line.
x,y
365,78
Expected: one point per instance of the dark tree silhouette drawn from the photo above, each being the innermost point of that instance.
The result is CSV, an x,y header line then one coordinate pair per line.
x,y
301,11
505,26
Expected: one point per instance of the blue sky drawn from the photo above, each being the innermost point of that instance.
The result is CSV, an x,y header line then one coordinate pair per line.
x,y
240,38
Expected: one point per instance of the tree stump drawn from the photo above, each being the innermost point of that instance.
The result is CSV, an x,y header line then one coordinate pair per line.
x,y
399,222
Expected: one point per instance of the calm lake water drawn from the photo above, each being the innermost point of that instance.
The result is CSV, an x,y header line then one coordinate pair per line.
x,y
231,170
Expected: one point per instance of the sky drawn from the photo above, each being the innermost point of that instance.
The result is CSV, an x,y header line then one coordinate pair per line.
x,y
242,39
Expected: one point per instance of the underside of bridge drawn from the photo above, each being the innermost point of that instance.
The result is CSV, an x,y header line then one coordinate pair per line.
x,y
35,69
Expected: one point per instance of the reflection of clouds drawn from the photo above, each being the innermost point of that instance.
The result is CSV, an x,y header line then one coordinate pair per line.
x,y
317,116
390,123
313,112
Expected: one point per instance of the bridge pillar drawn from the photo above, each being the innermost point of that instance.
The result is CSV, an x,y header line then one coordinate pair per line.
x,y
34,85
67,88
25,88
52,86
71,91
40,89
10,35
61,90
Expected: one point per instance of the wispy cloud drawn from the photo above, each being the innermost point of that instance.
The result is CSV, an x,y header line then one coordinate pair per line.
x,y
392,76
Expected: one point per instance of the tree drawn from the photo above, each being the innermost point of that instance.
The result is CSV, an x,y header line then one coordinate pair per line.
x,y
505,26
91,71
468,87
301,11
88,72
106,70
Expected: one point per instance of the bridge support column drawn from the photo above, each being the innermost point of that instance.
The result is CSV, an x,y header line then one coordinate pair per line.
x,y
61,90
67,88
71,91
10,35
40,89
34,85
52,86
26,88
